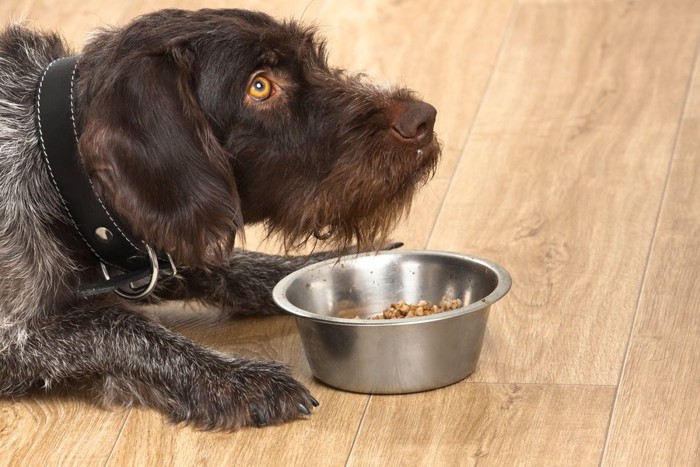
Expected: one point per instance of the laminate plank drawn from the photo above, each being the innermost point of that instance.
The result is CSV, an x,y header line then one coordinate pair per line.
x,y
657,414
76,19
562,178
324,439
486,424
687,3
52,430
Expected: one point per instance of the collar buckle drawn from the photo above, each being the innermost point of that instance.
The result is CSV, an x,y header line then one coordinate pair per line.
x,y
142,287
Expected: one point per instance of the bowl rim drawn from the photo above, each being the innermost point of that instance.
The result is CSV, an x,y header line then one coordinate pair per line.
x,y
503,285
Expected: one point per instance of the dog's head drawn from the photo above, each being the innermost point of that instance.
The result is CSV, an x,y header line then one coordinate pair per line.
x,y
196,122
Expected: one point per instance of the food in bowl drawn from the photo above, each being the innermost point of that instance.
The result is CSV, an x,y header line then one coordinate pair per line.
x,y
401,309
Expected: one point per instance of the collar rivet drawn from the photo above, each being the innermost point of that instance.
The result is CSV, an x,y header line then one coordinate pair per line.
x,y
103,234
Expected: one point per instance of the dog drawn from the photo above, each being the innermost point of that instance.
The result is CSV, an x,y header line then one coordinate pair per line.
x,y
190,125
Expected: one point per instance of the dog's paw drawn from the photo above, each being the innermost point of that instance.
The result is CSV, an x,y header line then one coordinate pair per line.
x,y
272,396
246,393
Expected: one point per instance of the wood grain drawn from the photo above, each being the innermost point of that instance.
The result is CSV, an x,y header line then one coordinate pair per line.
x,y
486,424
657,415
323,439
562,179
52,430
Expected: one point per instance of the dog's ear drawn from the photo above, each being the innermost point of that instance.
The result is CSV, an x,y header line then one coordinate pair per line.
x,y
154,157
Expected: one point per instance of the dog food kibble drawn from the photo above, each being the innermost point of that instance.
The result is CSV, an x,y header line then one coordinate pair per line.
x,y
422,308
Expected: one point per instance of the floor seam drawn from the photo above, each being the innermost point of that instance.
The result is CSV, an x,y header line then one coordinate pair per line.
x,y
357,433
650,251
119,436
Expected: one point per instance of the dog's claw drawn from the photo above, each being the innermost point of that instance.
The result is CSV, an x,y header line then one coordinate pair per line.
x,y
303,409
258,416
314,402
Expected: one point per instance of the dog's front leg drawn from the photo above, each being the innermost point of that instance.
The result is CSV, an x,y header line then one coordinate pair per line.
x,y
126,357
242,286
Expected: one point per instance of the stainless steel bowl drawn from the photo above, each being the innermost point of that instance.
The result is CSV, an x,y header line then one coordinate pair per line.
x,y
398,355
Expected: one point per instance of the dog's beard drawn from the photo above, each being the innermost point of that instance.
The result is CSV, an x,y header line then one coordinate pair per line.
x,y
355,207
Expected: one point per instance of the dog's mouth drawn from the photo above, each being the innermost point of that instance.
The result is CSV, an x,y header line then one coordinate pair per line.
x,y
427,159
395,196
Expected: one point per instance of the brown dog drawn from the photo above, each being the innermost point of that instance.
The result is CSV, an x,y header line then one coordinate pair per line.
x,y
190,125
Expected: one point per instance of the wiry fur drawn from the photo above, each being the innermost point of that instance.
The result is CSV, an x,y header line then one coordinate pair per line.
x,y
35,268
174,146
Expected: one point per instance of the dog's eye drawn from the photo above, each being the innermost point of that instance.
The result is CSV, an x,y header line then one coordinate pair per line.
x,y
260,89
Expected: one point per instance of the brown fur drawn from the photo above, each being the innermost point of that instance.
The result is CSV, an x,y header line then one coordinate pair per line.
x,y
155,127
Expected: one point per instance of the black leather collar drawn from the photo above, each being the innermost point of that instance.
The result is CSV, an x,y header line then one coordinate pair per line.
x,y
109,238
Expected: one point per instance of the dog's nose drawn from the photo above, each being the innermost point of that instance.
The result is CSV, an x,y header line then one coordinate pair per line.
x,y
414,122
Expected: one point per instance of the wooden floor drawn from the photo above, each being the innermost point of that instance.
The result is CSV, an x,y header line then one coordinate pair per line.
x,y
572,157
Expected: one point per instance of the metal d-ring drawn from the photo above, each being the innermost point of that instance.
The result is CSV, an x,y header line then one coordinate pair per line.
x,y
148,288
